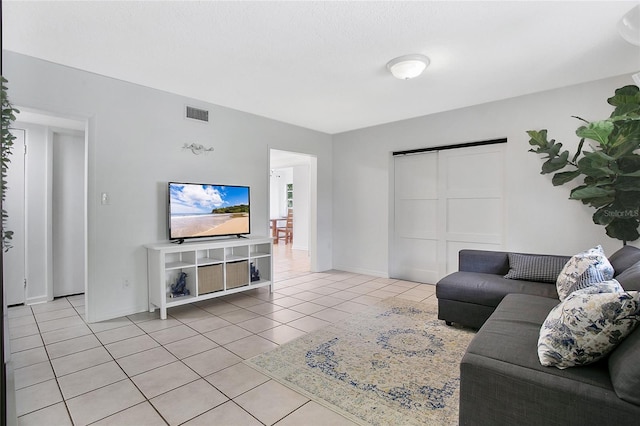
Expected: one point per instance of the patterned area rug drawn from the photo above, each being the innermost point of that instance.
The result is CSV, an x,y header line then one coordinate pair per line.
x,y
392,364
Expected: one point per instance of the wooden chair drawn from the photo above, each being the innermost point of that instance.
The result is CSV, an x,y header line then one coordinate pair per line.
x,y
287,230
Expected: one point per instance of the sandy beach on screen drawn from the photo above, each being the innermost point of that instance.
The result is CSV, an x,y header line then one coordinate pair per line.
x,y
207,225
237,225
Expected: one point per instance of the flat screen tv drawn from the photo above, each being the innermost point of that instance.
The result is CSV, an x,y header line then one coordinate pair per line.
x,y
199,210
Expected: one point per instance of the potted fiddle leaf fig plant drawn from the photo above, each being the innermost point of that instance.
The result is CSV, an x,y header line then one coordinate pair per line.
x,y
609,167
8,117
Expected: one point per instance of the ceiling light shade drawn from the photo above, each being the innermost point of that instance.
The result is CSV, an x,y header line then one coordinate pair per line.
x,y
629,26
408,66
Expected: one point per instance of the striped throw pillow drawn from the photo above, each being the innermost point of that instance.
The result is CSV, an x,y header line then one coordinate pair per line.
x,y
576,272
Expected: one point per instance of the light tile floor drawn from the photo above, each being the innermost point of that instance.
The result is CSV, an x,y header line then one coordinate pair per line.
x,y
187,369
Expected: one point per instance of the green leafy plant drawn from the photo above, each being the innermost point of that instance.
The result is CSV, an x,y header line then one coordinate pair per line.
x,y
8,117
609,167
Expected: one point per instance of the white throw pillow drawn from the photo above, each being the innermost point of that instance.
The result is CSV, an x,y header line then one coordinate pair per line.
x,y
588,325
583,269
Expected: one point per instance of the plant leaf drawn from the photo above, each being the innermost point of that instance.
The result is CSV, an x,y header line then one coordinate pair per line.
x,y
596,164
538,138
603,216
624,110
598,131
564,177
623,229
584,192
575,157
628,200
555,163
628,183
625,95
625,138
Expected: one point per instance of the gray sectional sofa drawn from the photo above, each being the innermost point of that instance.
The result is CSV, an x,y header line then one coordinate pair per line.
x,y
503,383
501,379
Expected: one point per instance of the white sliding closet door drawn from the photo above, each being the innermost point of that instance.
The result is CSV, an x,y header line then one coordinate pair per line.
x,y
414,256
445,201
471,202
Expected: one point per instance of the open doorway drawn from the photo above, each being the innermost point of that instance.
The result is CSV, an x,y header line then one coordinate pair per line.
x,y
50,195
292,187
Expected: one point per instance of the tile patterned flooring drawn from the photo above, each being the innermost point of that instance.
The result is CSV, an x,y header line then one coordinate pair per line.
x,y
187,369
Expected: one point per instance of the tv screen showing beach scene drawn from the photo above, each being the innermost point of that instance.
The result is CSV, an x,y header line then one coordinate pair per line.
x,y
199,210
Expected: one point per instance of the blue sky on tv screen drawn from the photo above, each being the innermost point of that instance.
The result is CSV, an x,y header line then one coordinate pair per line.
x,y
201,199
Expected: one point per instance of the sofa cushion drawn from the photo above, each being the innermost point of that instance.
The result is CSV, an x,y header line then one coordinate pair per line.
x,y
488,289
588,325
483,261
630,278
533,267
624,368
571,275
624,258
510,337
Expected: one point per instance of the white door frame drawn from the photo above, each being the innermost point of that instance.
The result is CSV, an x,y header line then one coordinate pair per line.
x,y
313,199
14,278
55,122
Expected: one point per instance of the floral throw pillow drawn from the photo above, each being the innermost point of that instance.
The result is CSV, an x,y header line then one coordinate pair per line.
x,y
588,325
583,269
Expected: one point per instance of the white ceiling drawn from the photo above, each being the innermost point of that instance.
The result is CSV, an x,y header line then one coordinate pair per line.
x,y
321,65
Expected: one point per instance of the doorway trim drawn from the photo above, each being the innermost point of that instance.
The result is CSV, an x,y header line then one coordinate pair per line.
x,y
60,123
290,161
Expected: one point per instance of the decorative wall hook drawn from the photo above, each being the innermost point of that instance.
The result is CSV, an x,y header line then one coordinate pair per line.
x,y
197,149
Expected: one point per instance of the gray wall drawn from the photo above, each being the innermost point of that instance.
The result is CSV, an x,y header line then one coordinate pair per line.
x,y
135,138
539,217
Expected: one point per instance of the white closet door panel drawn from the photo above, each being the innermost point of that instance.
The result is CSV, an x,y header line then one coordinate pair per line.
x,y
416,218
471,183
473,170
416,176
475,238
480,216
454,247
414,253
417,260
474,194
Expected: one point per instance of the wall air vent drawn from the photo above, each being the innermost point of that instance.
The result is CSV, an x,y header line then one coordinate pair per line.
x,y
197,114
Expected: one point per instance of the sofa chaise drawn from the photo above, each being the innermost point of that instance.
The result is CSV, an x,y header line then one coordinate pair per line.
x,y
468,297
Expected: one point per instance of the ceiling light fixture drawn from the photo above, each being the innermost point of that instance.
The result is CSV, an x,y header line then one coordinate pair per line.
x,y
629,26
408,66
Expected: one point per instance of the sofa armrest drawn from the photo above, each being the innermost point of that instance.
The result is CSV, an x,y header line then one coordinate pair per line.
x,y
483,261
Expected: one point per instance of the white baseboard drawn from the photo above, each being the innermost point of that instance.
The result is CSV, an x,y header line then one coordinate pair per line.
x,y
36,300
119,313
362,271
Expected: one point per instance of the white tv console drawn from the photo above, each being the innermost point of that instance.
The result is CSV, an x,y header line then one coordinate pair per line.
x,y
214,268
